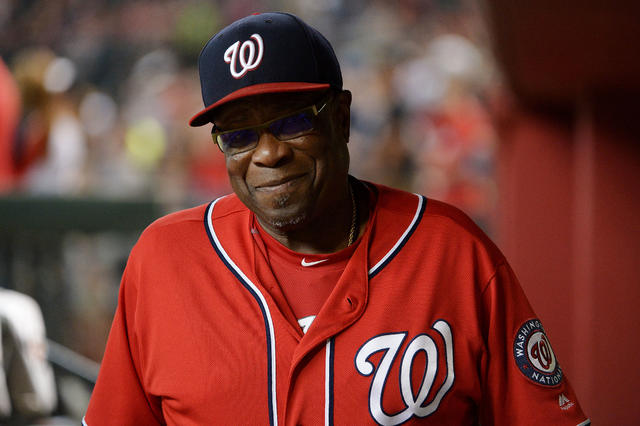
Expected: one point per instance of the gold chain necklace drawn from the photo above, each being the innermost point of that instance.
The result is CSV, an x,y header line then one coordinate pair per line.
x,y
354,216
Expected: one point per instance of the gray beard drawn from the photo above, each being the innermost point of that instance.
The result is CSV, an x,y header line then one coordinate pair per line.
x,y
286,223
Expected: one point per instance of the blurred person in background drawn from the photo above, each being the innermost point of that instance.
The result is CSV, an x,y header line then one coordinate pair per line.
x,y
298,298
27,385
10,108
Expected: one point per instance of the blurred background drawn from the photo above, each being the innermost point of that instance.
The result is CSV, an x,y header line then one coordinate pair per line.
x,y
523,115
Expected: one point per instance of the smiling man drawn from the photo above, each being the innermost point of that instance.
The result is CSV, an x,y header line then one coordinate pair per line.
x,y
309,297
289,186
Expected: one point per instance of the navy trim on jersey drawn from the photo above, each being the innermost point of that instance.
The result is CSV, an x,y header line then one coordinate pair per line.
x,y
262,303
422,203
264,308
328,392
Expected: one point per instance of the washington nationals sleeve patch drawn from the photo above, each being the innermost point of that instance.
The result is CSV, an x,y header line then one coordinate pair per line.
x,y
534,356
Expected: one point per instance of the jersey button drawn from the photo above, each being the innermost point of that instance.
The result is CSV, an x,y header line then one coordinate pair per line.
x,y
352,302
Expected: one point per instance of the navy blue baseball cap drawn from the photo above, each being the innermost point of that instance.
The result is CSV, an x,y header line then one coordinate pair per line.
x,y
264,53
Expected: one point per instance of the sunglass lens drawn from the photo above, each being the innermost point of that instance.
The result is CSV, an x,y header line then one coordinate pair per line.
x,y
238,140
292,126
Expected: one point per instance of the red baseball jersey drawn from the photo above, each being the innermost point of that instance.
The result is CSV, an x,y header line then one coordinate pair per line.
x,y
427,325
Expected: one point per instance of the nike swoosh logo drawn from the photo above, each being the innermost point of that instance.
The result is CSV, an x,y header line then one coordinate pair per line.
x,y
305,263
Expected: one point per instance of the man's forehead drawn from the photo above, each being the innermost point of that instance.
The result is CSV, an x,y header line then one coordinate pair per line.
x,y
268,102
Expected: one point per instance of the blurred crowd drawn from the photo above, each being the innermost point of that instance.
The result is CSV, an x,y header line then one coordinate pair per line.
x,y
95,96
100,92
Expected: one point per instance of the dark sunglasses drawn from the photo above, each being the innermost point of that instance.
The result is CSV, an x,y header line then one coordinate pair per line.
x,y
291,126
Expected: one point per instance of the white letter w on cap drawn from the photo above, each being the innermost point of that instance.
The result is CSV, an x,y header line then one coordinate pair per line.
x,y
246,53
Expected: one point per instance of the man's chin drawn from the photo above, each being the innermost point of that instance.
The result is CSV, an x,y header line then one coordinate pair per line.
x,y
285,213
284,222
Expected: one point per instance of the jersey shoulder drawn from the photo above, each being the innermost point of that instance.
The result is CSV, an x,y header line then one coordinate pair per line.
x,y
178,219
224,206
434,220
185,227
451,218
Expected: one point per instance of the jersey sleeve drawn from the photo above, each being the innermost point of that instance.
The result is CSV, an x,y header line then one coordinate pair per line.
x,y
522,379
119,397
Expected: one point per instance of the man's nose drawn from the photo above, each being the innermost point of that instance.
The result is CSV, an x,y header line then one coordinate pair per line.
x,y
270,152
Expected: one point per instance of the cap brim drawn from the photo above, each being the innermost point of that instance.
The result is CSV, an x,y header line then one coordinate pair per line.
x,y
203,117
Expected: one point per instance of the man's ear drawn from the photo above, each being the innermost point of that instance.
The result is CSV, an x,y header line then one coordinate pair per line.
x,y
344,113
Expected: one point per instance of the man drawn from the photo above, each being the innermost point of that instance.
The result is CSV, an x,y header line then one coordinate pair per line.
x,y
310,297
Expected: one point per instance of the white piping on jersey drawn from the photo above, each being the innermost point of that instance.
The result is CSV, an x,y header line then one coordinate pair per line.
x,y
328,347
327,384
402,238
84,423
585,423
262,301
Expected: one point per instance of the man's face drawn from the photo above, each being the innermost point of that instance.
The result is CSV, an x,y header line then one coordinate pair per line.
x,y
288,184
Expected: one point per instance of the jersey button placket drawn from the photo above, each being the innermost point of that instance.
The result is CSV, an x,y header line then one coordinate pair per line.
x,y
351,302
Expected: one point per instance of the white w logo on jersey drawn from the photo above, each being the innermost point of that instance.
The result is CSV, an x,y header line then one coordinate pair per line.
x,y
391,343
246,53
